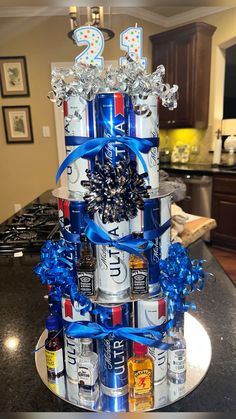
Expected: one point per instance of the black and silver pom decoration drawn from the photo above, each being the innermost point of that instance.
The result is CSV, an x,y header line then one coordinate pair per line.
x,y
115,192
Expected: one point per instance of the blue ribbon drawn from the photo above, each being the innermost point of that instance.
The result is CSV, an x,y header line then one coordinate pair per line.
x,y
56,270
70,237
153,234
89,148
179,277
149,336
98,236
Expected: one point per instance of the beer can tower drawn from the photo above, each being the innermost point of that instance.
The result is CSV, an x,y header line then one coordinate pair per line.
x,y
114,115
108,116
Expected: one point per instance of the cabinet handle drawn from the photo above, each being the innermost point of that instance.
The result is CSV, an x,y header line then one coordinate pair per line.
x,y
173,122
168,122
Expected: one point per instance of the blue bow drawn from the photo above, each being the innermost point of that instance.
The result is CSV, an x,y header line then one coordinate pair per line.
x,y
179,277
89,148
149,336
134,246
56,270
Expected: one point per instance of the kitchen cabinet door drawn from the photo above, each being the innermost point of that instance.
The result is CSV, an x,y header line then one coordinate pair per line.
x,y
186,54
224,211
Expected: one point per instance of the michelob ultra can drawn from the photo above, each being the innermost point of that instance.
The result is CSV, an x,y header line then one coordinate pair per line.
x,y
155,216
72,345
79,121
112,264
144,123
153,312
112,111
113,358
71,220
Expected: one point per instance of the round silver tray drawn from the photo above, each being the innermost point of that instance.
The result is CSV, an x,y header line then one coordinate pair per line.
x,y
63,192
165,393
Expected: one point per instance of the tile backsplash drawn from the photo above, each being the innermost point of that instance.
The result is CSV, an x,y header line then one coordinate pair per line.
x,y
193,137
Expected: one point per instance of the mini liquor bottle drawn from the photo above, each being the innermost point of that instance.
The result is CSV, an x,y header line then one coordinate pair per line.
x,y
88,374
86,268
138,272
54,348
177,353
141,379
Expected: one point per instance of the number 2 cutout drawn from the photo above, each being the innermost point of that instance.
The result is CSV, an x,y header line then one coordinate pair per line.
x,y
131,41
94,39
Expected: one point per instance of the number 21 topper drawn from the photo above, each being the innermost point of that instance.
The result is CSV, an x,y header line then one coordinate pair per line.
x,y
94,40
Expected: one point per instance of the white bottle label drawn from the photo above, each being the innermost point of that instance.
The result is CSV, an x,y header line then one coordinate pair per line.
x,y
86,281
88,374
177,360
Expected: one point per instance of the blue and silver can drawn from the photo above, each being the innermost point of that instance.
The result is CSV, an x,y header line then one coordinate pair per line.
x,y
71,220
113,358
148,313
79,121
154,222
77,216
112,110
72,214
72,346
144,123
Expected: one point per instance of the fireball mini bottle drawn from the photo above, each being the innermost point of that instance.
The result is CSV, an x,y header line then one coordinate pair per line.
x,y
141,379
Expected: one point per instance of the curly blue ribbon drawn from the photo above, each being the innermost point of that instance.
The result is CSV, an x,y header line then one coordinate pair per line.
x,y
89,148
56,270
149,336
98,236
179,277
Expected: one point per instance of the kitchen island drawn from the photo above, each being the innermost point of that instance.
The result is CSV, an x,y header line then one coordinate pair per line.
x,y
24,308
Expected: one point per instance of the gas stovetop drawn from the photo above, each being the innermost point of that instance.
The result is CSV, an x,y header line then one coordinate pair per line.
x,y
27,230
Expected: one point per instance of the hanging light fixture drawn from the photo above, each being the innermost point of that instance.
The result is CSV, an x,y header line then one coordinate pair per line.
x,y
95,17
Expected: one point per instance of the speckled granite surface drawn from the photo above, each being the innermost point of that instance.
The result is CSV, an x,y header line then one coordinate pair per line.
x,y
23,310
197,169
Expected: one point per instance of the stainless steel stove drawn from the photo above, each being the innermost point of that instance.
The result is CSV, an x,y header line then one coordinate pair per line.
x,y
26,231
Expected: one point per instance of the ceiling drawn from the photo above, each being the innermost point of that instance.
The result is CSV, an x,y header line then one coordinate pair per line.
x,y
161,12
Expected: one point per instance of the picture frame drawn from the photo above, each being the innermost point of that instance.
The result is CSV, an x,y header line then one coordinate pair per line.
x,y
18,124
13,77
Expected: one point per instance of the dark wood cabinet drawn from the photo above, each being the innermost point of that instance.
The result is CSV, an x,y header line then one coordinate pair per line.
x,y
224,211
186,54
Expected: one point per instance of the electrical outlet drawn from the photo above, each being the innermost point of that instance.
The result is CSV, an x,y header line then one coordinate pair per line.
x,y
46,132
17,207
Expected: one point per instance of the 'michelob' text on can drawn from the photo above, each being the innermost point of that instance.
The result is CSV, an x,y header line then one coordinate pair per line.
x,y
113,357
112,263
144,123
112,121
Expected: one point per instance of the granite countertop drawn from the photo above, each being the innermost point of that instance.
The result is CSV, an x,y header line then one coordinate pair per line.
x,y
23,310
198,169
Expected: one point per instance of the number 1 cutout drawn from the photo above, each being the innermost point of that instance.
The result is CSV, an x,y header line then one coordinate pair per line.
x,y
94,40
131,41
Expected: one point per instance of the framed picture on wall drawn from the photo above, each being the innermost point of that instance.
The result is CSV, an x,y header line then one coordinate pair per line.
x,y
13,77
17,124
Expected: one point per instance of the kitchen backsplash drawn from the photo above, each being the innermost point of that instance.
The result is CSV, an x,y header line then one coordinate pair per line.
x,y
199,141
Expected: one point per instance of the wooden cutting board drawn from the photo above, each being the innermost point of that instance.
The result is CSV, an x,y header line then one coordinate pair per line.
x,y
195,229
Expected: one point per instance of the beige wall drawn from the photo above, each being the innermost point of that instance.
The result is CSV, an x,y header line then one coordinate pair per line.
x,y
28,170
